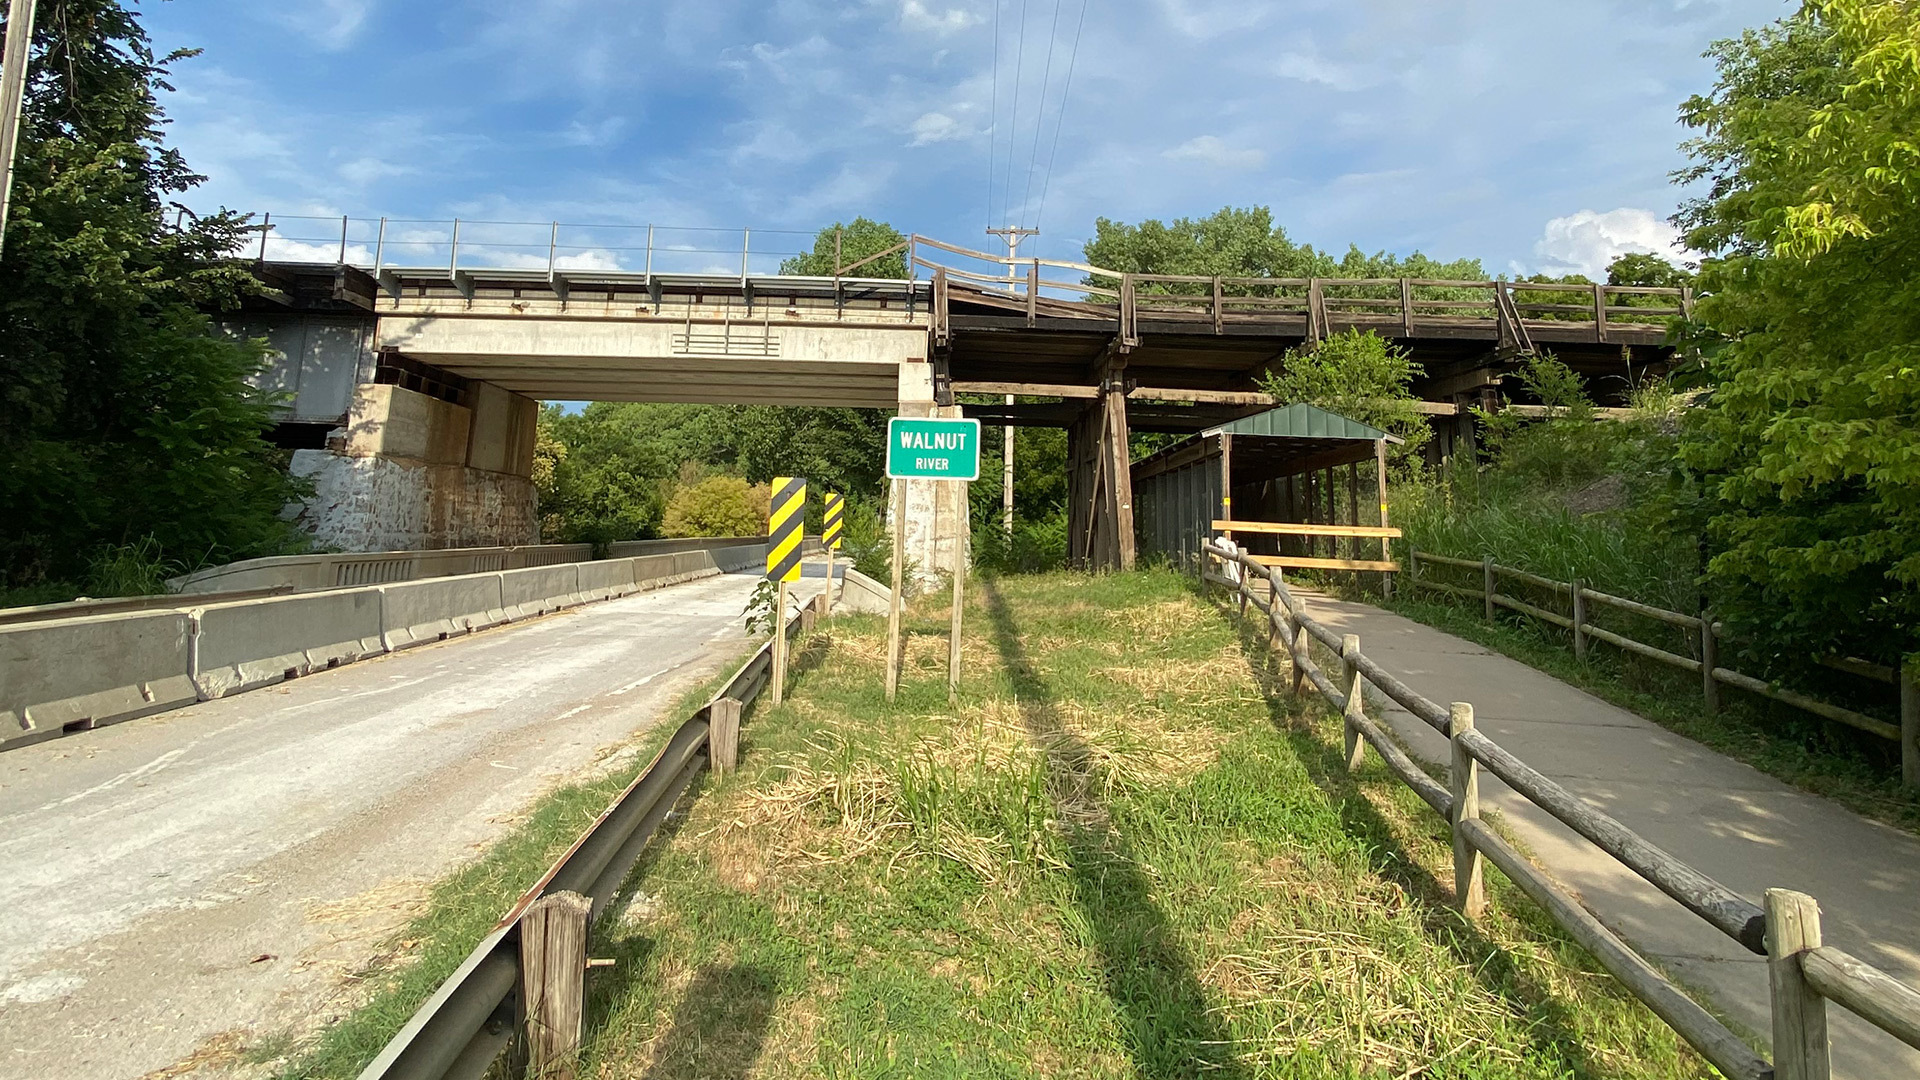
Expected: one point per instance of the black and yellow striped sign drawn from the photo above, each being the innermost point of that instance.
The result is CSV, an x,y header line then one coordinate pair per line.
x,y
830,531
784,522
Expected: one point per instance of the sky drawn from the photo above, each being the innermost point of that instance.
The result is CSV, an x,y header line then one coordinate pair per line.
x,y
1536,136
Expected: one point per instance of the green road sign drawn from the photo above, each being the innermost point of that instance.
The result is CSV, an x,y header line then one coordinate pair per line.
x,y
933,449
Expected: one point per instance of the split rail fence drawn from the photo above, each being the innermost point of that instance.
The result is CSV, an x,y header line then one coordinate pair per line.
x,y
529,972
1704,636
1804,973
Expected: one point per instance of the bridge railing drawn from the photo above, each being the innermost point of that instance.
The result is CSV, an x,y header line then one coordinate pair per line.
x,y
1803,972
456,245
1390,305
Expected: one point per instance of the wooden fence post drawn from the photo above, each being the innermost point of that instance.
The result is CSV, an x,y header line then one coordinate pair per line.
x,y
1579,619
1299,657
1486,571
1351,682
1909,725
1800,1050
1709,659
1469,890
553,981
723,734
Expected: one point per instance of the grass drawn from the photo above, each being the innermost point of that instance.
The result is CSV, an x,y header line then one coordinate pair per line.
x,y
1818,756
1118,855
461,910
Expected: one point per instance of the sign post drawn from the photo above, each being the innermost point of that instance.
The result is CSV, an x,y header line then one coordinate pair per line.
x,y
928,450
830,530
784,520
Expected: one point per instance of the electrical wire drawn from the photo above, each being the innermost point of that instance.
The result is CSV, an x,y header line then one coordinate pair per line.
x,y
1046,178
993,118
1013,120
1040,113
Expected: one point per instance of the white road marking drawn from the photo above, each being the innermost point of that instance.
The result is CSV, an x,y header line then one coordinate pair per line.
x,y
148,769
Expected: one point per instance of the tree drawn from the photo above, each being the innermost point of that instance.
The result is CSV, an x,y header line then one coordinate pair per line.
x,y
858,240
718,506
1809,442
1362,376
125,421
1244,242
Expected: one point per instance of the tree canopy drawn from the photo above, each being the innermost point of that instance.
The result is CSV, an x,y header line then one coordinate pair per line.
x,y
1809,444
124,421
1245,242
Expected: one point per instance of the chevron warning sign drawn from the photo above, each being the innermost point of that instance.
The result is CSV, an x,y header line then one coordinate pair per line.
x,y
788,514
830,531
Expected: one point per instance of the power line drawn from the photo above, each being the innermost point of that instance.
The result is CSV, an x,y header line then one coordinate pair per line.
x,y
1040,113
1046,178
993,119
1013,120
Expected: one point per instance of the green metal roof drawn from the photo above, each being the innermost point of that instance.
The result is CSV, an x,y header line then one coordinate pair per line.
x,y
1302,421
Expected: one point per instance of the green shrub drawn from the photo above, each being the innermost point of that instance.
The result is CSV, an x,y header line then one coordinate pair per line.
x,y
717,506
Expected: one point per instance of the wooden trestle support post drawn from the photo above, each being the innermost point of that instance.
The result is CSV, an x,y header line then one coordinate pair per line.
x,y
1100,477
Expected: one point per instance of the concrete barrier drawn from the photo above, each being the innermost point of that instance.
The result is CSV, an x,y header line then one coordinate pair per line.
x,y
417,612
605,579
254,643
78,674
71,674
740,557
538,590
858,592
623,549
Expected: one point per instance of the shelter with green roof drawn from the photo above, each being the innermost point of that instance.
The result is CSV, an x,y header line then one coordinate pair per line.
x,y
1297,486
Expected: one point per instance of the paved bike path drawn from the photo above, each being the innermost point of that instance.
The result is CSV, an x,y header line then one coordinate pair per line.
x,y
1734,823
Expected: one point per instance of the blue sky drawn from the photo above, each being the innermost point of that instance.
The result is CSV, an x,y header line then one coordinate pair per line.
x,y
1535,135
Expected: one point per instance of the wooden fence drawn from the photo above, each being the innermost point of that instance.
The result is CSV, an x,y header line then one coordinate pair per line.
x,y
1804,973
1704,636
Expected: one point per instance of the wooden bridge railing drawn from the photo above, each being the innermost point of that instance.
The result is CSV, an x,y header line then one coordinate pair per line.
x,y
1394,305
1804,973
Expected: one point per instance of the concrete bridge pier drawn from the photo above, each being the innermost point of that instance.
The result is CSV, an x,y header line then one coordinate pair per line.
x,y
937,510
424,468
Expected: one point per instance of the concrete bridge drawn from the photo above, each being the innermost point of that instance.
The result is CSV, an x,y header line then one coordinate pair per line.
x,y
414,386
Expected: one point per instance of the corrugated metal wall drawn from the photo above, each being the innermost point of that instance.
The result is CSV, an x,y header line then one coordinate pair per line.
x,y
1174,511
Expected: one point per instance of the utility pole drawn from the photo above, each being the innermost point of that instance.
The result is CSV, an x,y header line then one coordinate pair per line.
x,y
1012,236
13,88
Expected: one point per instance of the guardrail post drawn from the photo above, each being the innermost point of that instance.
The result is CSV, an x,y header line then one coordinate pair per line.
x,y
1709,659
1909,725
723,734
1469,890
1350,683
1800,1049
553,981
1579,619
1487,585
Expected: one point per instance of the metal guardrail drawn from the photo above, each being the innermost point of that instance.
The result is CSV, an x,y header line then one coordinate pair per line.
x,y
1804,973
1703,630
465,1025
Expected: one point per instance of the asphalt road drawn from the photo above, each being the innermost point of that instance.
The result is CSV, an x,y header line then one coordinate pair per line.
x,y
181,888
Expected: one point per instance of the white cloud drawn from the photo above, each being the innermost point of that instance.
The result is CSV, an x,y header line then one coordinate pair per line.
x,y
332,24
916,15
1585,241
934,127
1311,67
1215,151
366,170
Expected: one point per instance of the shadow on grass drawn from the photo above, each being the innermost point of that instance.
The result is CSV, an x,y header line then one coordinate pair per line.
x,y
1149,977
1306,725
720,1025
